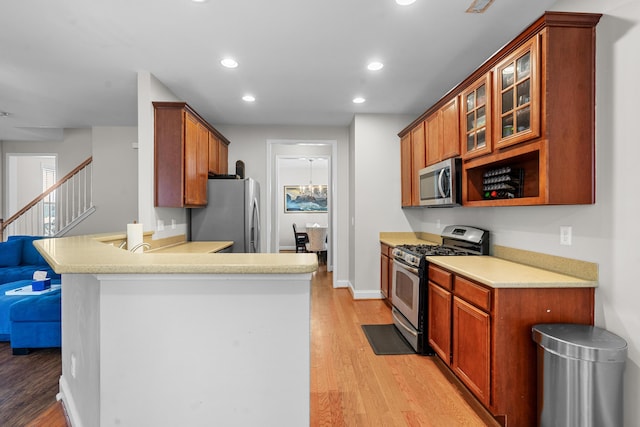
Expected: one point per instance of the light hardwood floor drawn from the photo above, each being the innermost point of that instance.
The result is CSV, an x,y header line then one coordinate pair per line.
x,y
351,386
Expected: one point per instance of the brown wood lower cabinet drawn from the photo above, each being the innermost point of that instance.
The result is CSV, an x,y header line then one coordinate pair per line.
x,y
484,335
440,321
385,271
472,347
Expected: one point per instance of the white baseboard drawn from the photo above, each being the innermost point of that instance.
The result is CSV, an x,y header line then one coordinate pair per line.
x,y
368,294
342,284
69,405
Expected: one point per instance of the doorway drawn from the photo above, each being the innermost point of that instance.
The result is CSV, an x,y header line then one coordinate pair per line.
x,y
280,155
27,176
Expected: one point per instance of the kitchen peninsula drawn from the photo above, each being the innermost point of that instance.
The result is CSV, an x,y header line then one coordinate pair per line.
x,y
182,337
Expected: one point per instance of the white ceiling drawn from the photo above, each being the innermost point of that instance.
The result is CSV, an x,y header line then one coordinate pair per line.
x,y
74,63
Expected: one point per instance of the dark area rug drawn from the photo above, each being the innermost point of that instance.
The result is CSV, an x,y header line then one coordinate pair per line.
x,y
386,340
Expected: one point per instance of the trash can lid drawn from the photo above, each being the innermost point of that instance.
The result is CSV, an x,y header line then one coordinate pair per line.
x,y
583,342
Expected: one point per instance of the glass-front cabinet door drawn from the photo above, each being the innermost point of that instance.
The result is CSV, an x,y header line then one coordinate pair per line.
x,y
476,118
517,96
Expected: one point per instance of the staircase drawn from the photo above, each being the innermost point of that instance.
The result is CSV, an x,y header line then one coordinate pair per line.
x,y
57,210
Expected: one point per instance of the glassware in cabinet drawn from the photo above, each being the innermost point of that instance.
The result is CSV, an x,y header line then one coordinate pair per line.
x,y
518,97
476,118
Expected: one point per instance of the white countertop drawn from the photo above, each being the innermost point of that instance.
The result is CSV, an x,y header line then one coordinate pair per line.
x,y
493,271
500,273
89,254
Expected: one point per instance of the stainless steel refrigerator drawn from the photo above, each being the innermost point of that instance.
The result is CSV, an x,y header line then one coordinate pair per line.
x,y
232,213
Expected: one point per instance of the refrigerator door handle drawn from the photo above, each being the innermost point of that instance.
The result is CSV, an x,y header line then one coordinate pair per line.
x,y
255,227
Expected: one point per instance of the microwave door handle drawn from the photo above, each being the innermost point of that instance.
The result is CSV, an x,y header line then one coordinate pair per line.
x,y
440,189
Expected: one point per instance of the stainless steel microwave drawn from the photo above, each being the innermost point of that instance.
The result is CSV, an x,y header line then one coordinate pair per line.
x,y
440,184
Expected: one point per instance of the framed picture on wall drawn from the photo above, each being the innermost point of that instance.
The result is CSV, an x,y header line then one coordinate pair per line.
x,y
305,198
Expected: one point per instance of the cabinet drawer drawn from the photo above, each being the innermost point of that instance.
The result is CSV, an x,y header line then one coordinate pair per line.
x,y
385,249
440,276
475,294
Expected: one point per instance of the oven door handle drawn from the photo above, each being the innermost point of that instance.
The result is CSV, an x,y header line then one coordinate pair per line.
x,y
406,267
402,323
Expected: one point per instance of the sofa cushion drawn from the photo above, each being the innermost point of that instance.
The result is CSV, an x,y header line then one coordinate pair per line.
x,y
35,322
6,301
37,308
30,255
11,253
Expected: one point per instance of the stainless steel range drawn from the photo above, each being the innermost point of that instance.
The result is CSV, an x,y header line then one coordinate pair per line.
x,y
409,279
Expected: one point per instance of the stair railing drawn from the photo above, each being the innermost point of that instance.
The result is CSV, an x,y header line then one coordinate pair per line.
x,y
57,209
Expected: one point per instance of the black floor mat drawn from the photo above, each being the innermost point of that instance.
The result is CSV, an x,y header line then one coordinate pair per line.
x,y
386,340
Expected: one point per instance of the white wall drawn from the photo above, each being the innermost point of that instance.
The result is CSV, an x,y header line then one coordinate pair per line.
x,y
24,173
151,89
115,177
375,183
80,380
296,172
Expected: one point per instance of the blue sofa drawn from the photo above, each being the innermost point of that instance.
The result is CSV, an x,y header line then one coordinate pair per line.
x,y
36,318
19,259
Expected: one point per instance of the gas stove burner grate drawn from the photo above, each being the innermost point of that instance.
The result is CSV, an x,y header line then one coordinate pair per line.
x,y
437,250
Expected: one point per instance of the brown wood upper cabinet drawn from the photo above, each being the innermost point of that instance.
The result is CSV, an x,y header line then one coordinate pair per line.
x,y
218,149
476,118
196,150
517,96
442,130
412,159
406,171
527,118
223,157
543,119
182,148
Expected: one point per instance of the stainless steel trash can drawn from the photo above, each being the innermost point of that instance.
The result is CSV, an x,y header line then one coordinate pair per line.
x,y
580,371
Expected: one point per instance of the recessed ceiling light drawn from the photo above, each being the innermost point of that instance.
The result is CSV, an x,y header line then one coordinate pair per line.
x,y
249,98
229,63
4,114
358,100
479,6
405,2
199,1
375,66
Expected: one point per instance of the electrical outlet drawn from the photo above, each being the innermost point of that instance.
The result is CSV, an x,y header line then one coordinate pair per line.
x,y
173,224
160,225
565,235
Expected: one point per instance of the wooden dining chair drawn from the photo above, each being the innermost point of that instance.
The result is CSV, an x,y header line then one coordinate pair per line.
x,y
301,240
